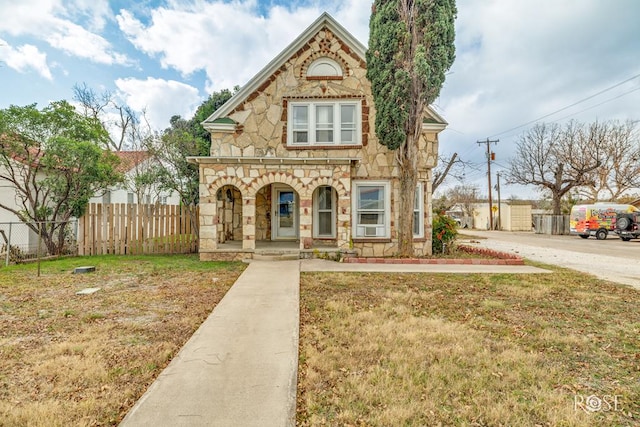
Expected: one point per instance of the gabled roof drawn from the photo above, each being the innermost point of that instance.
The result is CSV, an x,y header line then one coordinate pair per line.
x,y
30,158
130,159
219,118
324,20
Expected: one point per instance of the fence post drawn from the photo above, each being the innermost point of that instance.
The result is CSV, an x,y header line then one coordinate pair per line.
x,y
39,243
7,257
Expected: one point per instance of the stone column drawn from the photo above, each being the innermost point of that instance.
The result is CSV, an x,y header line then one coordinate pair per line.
x,y
305,222
249,223
208,225
344,212
344,222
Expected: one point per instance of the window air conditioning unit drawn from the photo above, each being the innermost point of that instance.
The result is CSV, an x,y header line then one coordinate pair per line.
x,y
371,231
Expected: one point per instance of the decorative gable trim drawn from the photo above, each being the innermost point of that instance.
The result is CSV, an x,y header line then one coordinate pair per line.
x,y
433,121
268,74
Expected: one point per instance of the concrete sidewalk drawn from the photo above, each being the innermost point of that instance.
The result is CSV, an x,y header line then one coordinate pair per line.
x,y
311,265
240,367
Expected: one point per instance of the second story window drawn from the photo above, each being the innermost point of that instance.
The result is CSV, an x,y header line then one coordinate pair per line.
x,y
324,123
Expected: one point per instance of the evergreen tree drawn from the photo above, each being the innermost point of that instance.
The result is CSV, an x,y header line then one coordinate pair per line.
x,y
411,47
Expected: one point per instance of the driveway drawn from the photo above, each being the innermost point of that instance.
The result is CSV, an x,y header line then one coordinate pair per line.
x,y
610,259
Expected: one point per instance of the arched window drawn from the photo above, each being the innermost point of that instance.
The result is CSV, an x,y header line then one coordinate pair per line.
x,y
324,67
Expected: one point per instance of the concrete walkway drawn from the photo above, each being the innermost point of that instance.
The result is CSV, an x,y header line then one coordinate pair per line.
x,y
240,367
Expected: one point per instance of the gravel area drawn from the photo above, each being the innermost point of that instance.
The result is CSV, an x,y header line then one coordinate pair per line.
x,y
618,269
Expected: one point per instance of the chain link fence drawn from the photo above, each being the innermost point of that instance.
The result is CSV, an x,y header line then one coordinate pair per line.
x,y
22,242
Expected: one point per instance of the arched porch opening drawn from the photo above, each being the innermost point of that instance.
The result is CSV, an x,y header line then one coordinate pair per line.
x,y
325,215
229,212
277,213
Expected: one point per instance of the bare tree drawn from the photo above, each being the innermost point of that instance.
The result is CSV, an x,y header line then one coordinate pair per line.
x,y
557,159
451,167
119,119
619,171
464,196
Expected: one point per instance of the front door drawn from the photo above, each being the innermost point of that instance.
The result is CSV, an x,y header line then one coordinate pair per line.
x,y
285,213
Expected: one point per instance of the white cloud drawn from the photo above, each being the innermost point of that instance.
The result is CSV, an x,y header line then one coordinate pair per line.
x,y
519,61
61,24
24,58
227,40
159,99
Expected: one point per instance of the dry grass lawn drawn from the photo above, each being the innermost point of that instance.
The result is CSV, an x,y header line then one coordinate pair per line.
x,y
84,360
560,349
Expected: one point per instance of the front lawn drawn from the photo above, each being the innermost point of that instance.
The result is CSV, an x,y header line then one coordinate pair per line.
x,y
560,349
84,360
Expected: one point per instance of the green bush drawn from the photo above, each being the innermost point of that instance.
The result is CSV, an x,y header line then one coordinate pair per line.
x,y
444,234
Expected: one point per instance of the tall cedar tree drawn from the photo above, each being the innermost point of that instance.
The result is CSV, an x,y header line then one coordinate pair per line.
x,y
411,47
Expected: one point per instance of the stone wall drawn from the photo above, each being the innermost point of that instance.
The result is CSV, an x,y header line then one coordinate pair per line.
x,y
262,117
259,151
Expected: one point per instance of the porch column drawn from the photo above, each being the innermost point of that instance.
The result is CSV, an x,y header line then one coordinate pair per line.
x,y
344,230
306,222
208,224
249,223
344,222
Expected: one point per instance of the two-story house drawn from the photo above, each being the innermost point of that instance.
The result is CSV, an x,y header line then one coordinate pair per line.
x,y
294,157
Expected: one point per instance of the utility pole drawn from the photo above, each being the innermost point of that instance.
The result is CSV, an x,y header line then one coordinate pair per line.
x,y
499,201
490,157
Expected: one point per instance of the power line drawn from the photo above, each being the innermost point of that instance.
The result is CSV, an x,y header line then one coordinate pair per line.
x,y
489,159
597,105
571,105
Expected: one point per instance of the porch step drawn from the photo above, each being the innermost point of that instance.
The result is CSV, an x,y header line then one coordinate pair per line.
x,y
276,255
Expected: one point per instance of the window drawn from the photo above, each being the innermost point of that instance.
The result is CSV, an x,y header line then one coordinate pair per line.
x,y
371,209
130,198
418,212
106,198
324,123
324,218
324,67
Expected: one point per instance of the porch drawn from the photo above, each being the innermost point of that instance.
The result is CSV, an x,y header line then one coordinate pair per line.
x,y
267,249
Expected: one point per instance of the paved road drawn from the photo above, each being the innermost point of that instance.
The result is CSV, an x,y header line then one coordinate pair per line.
x,y
610,259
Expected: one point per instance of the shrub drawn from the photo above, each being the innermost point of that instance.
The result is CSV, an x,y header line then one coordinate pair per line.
x,y
444,234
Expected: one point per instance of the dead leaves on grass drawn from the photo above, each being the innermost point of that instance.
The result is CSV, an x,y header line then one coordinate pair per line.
x,y
84,360
483,349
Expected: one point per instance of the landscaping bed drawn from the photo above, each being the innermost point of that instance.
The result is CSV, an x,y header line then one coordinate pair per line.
x,y
470,255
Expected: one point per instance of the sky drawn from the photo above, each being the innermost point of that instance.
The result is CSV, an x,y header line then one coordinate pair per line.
x,y
517,62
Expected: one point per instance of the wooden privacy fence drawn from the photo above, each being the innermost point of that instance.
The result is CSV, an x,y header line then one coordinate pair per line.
x,y
126,229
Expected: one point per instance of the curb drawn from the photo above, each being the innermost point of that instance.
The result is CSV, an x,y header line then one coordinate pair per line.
x,y
497,258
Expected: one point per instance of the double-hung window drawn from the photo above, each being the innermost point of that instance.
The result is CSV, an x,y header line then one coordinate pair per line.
x,y
324,123
418,212
371,210
324,220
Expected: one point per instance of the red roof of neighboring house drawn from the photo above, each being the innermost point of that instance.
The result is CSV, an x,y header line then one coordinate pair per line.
x,y
130,159
35,154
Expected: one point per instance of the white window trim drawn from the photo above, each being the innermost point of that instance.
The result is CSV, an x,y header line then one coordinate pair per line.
x,y
316,212
387,209
323,64
420,209
311,122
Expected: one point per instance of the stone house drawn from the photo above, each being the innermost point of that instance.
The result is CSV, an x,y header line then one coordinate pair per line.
x,y
294,158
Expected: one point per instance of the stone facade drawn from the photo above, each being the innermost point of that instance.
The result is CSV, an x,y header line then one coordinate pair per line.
x,y
250,152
